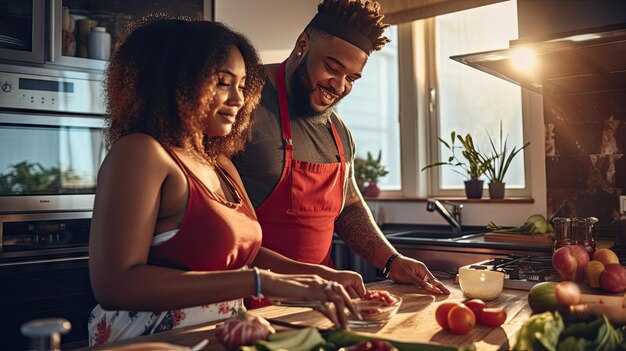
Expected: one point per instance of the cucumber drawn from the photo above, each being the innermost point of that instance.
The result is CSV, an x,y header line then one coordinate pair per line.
x,y
542,297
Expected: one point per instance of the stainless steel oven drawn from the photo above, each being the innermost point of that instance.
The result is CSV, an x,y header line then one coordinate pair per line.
x,y
51,147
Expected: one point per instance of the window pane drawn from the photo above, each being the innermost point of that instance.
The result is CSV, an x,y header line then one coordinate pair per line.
x,y
371,110
474,101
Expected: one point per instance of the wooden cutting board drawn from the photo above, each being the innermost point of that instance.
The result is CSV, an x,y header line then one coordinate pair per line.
x,y
520,238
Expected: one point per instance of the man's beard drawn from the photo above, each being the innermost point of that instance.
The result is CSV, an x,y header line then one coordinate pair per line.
x,y
301,95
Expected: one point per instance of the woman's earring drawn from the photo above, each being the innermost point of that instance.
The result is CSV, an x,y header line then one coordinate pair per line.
x,y
299,53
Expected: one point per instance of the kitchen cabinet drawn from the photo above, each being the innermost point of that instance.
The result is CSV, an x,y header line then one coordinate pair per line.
x,y
415,321
47,288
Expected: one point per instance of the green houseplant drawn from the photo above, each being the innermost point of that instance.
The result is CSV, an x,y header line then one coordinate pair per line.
x,y
501,158
367,171
473,167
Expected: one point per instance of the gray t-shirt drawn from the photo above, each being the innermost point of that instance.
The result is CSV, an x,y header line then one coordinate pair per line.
x,y
261,163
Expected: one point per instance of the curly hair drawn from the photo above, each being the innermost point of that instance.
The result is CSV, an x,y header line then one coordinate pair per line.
x,y
363,16
162,78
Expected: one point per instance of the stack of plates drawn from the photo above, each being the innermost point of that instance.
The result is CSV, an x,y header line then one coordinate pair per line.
x,y
8,42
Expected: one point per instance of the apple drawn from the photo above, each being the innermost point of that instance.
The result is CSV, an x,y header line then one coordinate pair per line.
x,y
613,278
570,262
606,256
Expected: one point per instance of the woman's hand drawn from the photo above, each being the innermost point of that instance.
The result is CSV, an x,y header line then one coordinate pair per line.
x,y
351,281
311,288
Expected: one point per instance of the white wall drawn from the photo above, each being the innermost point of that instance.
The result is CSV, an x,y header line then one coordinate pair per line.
x,y
271,25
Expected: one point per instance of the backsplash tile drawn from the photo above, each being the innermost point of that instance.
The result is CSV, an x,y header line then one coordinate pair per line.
x,y
585,147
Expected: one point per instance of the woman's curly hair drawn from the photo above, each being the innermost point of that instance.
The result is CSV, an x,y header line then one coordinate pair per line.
x,y
162,78
363,16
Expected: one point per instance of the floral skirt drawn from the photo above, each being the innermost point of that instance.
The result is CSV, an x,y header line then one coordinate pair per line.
x,y
107,326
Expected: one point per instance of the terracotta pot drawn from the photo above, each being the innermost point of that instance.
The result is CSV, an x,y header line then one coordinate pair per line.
x,y
474,189
496,190
372,190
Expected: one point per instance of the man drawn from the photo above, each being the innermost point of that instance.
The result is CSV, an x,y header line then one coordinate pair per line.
x,y
298,162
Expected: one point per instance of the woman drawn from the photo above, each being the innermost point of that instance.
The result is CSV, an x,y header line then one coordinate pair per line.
x,y
172,226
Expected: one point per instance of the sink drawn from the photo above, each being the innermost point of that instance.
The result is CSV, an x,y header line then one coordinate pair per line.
x,y
427,231
425,234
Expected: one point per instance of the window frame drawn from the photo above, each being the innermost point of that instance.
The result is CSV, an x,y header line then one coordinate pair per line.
x,y
419,125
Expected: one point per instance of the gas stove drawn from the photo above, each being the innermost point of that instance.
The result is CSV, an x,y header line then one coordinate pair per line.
x,y
520,272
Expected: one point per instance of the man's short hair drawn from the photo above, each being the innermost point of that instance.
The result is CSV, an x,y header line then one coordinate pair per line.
x,y
356,21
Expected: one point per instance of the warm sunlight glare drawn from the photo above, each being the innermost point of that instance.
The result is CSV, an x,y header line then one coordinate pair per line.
x,y
523,59
583,37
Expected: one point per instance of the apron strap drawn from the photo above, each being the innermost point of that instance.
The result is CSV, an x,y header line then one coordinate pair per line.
x,y
338,142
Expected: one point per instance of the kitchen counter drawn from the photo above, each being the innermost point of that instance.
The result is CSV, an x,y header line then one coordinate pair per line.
x,y
442,251
415,321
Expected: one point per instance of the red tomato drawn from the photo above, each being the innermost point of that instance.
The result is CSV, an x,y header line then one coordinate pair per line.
x,y
492,317
441,314
461,319
476,305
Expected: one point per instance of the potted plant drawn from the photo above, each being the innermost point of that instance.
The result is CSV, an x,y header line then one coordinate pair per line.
x,y
474,165
501,158
367,171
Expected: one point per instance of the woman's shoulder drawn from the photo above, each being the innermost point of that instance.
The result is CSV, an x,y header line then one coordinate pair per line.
x,y
137,145
138,150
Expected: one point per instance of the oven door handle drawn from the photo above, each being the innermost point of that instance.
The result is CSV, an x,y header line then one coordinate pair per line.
x,y
52,260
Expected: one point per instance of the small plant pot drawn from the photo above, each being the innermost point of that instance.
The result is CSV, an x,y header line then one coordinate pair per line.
x,y
372,190
474,188
496,190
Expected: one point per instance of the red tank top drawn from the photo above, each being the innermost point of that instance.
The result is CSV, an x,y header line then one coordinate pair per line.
x,y
215,234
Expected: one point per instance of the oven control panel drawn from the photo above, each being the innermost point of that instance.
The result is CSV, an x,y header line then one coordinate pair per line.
x,y
35,232
51,90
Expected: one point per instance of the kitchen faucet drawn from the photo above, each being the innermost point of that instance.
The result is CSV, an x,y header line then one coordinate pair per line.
x,y
453,218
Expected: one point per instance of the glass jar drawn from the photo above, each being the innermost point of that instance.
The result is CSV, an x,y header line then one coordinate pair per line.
x,y
582,235
561,228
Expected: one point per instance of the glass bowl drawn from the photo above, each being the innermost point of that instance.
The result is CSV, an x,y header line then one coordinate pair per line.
x,y
481,284
375,312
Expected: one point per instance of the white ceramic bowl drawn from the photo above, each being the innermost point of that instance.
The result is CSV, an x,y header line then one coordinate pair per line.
x,y
481,284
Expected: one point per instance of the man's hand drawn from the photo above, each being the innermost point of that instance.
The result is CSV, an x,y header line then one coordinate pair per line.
x,y
410,271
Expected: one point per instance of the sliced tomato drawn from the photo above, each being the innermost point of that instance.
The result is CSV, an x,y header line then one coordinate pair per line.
x,y
441,314
476,305
492,317
461,319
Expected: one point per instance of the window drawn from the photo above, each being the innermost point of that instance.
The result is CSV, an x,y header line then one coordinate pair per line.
x,y
469,100
371,111
437,95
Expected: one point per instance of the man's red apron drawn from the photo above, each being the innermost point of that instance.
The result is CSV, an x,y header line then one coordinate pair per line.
x,y
298,217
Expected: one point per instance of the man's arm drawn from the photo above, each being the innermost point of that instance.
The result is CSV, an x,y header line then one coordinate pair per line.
x,y
357,228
